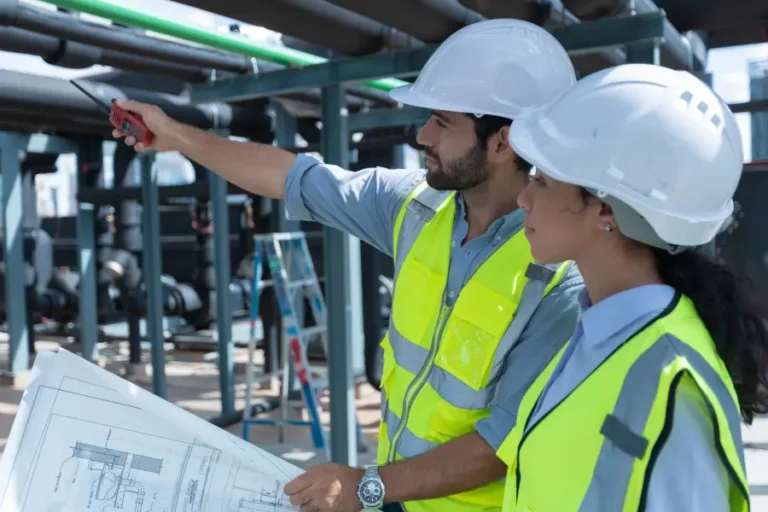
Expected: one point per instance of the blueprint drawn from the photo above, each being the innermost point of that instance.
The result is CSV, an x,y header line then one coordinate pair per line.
x,y
84,439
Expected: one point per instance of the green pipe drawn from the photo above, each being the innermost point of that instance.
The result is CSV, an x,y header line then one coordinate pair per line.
x,y
231,42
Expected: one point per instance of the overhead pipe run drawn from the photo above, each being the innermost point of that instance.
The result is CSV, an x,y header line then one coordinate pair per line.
x,y
226,41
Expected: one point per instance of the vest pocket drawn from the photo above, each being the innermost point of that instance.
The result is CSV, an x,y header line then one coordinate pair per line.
x,y
473,332
416,301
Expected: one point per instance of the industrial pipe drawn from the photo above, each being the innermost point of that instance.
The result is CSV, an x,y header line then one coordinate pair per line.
x,y
675,47
316,21
445,16
225,41
59,98
71,54
66,26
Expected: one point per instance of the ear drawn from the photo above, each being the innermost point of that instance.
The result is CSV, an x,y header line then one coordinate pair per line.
x,y
605,215
498,145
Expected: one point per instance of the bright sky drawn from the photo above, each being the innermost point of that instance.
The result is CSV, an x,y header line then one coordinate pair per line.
x,y
728,66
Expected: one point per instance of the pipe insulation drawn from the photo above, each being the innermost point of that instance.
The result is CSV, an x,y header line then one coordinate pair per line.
x,y
59,98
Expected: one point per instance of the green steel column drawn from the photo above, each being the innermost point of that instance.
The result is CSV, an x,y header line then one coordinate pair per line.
x,y
11,152
285,137
87,152
223,275
341,255
647,52
152,270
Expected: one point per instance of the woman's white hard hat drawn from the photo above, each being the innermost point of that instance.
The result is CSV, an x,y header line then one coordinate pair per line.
x,y
657,144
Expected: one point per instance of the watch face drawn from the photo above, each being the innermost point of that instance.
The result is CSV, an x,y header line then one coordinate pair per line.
x,y
371,492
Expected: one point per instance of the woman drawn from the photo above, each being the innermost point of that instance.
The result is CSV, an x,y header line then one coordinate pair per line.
x,y
635,167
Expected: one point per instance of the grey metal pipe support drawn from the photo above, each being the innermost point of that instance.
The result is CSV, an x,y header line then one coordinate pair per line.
x,y
341,256
153,272
11,153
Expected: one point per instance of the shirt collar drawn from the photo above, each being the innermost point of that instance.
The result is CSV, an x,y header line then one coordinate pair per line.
x,y
609,316
505,226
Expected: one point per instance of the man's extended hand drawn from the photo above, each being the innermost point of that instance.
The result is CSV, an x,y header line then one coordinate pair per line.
x,y
326,488
163,127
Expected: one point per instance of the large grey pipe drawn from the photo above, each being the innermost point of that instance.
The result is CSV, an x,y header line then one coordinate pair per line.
x,y
60,99
315,21
444,17
71,54
69,27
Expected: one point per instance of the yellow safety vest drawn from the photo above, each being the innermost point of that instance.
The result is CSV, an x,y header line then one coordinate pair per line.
x,y
593,451
441,366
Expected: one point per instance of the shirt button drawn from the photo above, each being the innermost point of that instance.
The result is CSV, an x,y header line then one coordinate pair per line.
x,y
453,243
497,239
451,294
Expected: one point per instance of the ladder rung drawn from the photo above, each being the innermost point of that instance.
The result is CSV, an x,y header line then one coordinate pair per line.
x,y
314,331
301,282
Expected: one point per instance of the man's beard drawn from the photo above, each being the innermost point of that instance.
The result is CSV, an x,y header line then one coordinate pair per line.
x,y
462,173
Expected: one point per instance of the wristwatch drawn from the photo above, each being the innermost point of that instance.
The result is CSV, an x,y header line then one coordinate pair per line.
x,y
371,489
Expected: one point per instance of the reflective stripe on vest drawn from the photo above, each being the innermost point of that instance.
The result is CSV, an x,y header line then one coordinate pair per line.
x,y
591,451
442,366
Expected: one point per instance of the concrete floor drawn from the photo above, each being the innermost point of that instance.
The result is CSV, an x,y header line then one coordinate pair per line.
x,y
193,385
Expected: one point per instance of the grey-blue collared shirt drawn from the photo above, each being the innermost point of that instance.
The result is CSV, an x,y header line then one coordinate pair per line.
x,y
365,204
688,473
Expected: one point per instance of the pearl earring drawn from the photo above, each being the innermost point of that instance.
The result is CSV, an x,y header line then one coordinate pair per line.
x,y
606,226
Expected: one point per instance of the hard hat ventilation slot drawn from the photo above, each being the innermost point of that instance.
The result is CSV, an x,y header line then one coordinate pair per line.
x,y
716,120
703,107
687,97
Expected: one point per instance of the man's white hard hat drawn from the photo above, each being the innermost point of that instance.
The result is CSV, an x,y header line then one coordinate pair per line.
x,y
496,67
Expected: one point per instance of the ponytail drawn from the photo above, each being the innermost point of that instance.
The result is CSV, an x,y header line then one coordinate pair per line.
x,y
732,318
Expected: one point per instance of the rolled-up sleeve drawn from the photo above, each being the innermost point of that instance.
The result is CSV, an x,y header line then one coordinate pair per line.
x,y
363,203
548,330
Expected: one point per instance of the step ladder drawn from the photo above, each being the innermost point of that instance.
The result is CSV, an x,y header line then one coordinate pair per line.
x,y
294,338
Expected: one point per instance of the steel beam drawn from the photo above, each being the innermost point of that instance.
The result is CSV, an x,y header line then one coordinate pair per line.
x,y
387,118
11,153
341,256
153,270
577,38
349,70
750,106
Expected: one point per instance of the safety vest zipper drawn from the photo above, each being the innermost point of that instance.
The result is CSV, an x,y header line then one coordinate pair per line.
x,y
421,378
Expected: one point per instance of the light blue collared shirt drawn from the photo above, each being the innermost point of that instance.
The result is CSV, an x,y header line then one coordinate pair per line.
x,y
365,204
688,474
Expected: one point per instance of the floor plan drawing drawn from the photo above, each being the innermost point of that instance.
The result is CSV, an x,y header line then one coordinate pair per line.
x,y
80,445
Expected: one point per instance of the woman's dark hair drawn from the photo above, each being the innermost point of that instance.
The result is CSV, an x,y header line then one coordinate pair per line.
x,y
486,126
733,318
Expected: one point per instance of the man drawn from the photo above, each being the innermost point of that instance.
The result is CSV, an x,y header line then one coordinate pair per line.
x,y
474,321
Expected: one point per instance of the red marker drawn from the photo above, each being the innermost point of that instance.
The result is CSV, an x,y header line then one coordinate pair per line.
x,y
126,122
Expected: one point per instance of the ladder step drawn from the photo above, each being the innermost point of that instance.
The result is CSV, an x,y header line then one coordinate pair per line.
x,y
314,331
302,282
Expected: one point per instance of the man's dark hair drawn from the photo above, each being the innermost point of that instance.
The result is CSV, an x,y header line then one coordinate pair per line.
x,y
486,126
